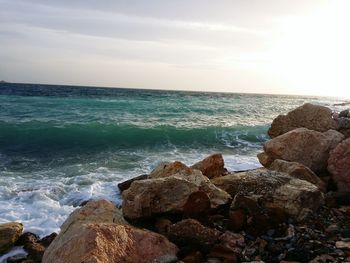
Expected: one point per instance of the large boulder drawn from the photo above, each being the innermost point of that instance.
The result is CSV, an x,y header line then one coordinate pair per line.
x,y
313,117
298,170
212,166
150,197
272,190
9,234
308,147
109,243
339,165
100,211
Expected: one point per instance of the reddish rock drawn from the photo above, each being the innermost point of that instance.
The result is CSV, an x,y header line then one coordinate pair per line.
x,y
169,169
298,170
310,148
9,234
109,243
212,166
237,219
194,257
339,165
35,250
197,205
126,184
191,233
313,117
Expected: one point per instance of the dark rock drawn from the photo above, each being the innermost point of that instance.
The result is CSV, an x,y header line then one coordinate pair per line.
x,y
162,226
126,184
191,233
194,257
27,238
46,241
344,113
197,206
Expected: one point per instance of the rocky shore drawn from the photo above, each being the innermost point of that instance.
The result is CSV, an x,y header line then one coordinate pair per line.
x,y
295,209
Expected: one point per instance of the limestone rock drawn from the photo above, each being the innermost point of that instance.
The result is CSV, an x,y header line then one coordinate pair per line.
x,y
168,169
339,165
273,190
310,148
149,197
212,166
109,243
313,117
9,234
192,233
101,211
298,170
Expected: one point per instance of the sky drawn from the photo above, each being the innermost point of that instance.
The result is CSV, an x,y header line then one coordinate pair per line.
x,y
250,46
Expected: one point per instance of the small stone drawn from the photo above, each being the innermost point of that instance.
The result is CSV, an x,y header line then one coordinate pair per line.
x,y
342,244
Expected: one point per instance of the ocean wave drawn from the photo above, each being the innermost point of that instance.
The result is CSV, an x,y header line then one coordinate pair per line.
x,y
31,137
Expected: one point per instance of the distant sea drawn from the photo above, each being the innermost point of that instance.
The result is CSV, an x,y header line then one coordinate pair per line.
x,y
62,145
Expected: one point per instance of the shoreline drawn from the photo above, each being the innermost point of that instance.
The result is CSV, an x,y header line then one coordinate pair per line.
x,y
198,214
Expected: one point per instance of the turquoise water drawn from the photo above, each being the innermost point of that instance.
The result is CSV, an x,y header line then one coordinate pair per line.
x,y
62,145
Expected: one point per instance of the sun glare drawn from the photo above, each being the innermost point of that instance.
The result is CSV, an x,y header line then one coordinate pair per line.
x,y
312,53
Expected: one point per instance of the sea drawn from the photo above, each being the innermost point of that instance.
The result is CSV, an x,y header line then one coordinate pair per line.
x,y
62,145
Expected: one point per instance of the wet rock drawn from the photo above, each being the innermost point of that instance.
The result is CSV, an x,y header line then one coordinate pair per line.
x,y
191,233
212,166
344,113
229,247
343,123
27,238
272,190
310,148
339,165
298,170
126,184
108,242
149,197
169,169
47,240
101,211
313,117
9,234
35,250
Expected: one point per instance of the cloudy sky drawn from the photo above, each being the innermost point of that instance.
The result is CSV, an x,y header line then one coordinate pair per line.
x,y
271,46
